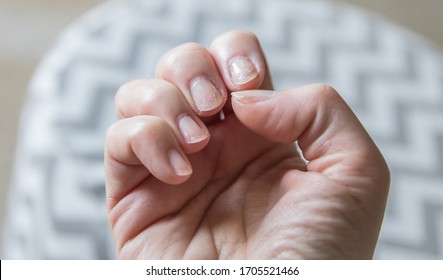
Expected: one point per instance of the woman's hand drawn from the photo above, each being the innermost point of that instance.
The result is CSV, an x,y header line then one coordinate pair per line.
x,y
202,163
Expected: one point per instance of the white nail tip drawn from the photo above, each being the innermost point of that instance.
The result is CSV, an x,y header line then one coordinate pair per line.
x,y
192,132
253,96
179,164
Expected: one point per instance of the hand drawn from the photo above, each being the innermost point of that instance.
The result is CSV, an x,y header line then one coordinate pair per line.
x,y
184,182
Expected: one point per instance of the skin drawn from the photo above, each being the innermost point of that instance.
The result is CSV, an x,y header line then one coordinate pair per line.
x,y
239,187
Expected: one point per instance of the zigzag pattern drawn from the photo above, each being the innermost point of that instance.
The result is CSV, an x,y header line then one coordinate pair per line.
x,y
393,82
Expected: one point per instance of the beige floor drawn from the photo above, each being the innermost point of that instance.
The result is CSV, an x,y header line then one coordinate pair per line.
x,y
29,28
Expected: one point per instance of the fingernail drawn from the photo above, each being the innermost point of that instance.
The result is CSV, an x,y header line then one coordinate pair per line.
x,y
242,70
179,164
192,132
206,96
253,96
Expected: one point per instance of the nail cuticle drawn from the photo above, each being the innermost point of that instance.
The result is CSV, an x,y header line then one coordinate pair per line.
x,y
178,163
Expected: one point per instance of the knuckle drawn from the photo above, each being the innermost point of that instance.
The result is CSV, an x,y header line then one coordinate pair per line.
x,y
324,90
141,97
244,34
128,87
122,93
156,92
112,136
191,46
146,127
110,133
235,35
178,55
325,94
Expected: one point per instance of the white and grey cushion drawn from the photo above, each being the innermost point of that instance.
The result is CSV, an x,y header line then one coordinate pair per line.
x,y
392,80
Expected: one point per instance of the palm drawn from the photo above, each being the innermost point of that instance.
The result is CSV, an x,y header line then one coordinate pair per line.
x,y
248,197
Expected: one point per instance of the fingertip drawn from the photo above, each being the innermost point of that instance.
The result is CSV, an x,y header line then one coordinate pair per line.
x,y
240,60
155,145
264,112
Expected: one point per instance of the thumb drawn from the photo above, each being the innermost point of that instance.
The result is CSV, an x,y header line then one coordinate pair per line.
x,y
330,136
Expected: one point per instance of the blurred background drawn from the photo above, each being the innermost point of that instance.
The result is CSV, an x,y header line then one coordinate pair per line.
x,y
29,28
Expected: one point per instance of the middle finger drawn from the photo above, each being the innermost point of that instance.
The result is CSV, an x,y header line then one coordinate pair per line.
x,y
191,68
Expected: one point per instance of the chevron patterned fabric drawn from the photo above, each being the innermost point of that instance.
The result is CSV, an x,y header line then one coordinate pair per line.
x,y
391,79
